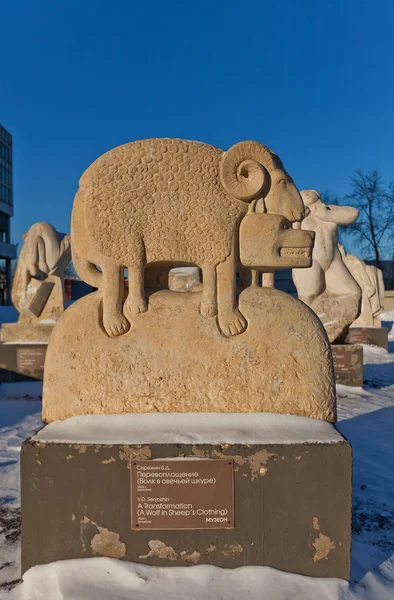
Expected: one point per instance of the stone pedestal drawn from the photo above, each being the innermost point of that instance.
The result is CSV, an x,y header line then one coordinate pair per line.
x,y
291,478
348,364
26,332
22,361
375,336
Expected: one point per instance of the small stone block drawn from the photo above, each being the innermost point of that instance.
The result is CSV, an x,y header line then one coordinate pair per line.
x,y
375,336
292,496
26,332
348,364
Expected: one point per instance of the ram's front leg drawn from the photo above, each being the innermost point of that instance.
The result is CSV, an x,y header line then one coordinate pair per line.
x,y
231,321
114,321
208,307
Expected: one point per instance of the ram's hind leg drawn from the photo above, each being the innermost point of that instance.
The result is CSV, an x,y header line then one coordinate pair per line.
x,y
136,302
114,321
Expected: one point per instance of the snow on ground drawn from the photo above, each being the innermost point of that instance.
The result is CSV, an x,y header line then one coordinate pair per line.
x,y
365,417
20,416
108,579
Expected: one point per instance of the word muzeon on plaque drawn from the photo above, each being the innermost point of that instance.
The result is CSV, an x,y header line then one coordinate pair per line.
x,y
182,494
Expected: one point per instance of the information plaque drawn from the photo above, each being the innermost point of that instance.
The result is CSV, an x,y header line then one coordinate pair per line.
x,y
30,359
182,494
341,361
358,336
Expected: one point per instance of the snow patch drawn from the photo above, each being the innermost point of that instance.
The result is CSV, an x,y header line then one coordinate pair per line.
x,y
189,428
105,578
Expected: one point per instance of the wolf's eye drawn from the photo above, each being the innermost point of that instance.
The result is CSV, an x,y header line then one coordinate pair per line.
x,y
285,226
283,182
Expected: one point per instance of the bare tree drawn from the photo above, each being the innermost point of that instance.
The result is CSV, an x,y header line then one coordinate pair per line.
x,y
374,226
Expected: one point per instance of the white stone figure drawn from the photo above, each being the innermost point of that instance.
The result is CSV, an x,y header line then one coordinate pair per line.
x,y
370,280
38,286
327,286
37,290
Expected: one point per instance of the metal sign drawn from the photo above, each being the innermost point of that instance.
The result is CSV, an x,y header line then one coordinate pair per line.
x,y
358,336
341,361
182,494
30,359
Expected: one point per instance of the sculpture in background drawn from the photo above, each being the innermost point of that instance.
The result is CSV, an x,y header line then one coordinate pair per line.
x,y
37,289
328,286
370,280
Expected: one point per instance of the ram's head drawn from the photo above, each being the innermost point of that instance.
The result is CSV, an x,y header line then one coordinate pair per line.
x,y
250,171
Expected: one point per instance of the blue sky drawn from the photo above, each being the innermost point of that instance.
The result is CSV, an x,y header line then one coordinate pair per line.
x,y
312,79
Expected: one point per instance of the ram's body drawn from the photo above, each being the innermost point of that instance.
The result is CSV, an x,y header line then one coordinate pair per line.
x,y
158,201
169,201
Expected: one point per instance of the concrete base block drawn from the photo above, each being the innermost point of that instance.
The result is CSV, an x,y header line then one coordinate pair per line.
x,y
26,332
292,492
22,361
348,364
375,336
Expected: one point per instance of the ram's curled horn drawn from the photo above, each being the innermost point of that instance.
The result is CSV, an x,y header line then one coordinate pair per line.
x,y
243,170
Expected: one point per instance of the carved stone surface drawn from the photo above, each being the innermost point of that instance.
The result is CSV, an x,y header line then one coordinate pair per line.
x,y
327,286
370,280
174,202
37,289
158,204
175,360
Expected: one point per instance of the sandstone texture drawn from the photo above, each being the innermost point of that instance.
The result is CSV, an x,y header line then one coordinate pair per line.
x,y
176,360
